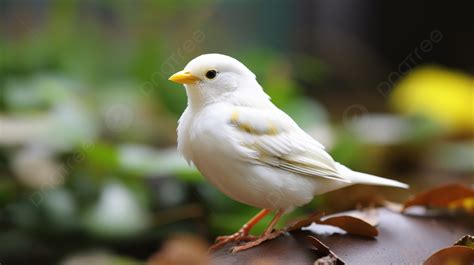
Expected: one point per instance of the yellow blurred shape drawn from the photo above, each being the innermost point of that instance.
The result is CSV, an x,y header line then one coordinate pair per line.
x,y
442,95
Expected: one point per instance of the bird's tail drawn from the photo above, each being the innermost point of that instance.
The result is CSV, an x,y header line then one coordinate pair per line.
x,y
363,178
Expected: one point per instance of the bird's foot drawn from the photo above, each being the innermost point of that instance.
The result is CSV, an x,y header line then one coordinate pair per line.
x,y
237,237
259,240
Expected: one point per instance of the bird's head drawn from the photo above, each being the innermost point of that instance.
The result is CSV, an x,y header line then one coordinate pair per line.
x,y
215,77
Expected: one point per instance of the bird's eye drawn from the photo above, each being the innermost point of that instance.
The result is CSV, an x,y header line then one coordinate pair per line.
x,y
211,74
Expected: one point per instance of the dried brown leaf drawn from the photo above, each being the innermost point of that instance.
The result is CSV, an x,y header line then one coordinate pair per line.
x,y
369,215
458,255
351,225
313,218
440,196
329,258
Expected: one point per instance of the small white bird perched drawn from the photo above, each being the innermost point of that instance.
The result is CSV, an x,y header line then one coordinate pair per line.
x,y
251,150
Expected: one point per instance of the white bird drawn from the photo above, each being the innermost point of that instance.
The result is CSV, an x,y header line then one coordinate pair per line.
x,y
249,149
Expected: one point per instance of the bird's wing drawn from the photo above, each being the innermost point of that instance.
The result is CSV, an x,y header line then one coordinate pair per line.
x,y
272,138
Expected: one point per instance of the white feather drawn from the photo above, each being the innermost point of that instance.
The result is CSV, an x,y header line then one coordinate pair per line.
x,y
363,178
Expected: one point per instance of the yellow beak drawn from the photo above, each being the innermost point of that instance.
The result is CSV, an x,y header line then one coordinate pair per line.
x,y
183,77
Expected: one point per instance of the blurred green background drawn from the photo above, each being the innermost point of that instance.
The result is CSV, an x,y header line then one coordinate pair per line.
x,y
89,172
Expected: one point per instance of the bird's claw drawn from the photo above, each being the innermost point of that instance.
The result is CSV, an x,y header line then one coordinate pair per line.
x,y
235,237
259,240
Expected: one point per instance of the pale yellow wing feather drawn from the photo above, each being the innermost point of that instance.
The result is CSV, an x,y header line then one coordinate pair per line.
x,y
272,138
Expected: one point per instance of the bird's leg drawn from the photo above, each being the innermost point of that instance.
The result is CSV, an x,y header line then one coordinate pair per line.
x,y
274,221
242,234
267,235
